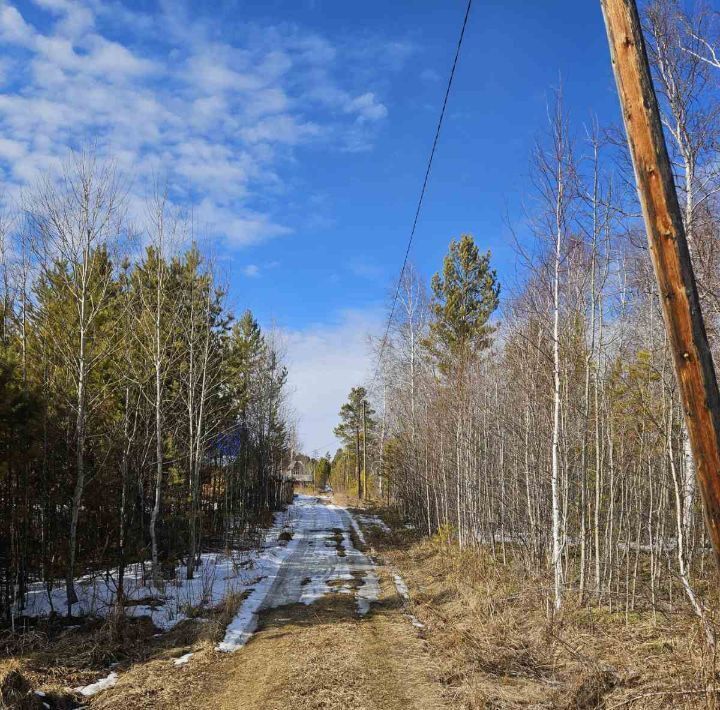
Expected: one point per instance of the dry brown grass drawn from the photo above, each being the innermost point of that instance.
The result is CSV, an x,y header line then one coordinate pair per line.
x,y
489,630
324,657
318,657
56,657
488,642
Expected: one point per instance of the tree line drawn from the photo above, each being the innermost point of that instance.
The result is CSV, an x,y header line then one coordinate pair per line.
x,y
139,420
551,431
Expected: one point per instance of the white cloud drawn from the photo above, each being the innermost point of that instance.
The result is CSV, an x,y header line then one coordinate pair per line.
x,y
239,227
324,362
367,108
13,28
11,150
216,110
75,18
281,129
110,58
252,271
210,74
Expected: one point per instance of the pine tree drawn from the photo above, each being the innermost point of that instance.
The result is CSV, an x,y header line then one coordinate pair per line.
x,y
122,393
350,429
76,316
322,472
464,297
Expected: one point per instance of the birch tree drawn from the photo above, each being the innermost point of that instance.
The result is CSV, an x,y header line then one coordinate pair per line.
x,y
77,222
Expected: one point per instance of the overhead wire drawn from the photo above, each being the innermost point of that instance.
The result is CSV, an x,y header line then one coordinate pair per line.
x,y
426,178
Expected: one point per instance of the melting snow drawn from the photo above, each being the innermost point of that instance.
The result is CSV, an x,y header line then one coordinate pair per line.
x,y
374,521
357,530
415,621
217,576
402,590
369,592
321,552
302,570
401,586
269,563
183,659
102,684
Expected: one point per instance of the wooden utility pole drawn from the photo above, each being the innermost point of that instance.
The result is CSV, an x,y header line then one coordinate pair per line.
x,y
669,251
364,447
357,459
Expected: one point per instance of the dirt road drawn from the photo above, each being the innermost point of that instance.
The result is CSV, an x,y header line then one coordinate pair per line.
x,y
331,631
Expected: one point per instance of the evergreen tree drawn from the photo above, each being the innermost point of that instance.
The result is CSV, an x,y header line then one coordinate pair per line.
x,y
20,441
132,419
465,295
76,318
351,427
246,348
322,472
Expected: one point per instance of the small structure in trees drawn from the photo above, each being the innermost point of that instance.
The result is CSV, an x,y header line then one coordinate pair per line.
x,y
299,473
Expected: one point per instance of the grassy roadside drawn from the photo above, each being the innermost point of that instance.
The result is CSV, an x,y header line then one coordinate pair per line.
x,y
59,654
47,658
489,632
324,656
487,641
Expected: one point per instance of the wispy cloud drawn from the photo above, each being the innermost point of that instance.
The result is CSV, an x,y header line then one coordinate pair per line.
x,y
218,110
252,271
366,108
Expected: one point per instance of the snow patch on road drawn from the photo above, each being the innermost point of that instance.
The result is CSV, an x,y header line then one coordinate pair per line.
x,y
357,530
268,563
320,553
314,590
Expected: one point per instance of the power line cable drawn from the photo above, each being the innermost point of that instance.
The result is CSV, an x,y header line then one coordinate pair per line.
x,y
424,188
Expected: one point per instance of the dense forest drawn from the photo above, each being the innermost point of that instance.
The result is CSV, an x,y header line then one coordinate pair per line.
x,y
141,421
550,428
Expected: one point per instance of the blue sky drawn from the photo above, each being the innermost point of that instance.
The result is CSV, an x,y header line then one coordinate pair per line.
x,y
297,131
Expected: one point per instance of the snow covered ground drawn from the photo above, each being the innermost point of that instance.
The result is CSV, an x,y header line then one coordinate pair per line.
x,y
320,559
375,522
217,576
401,587
100,685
